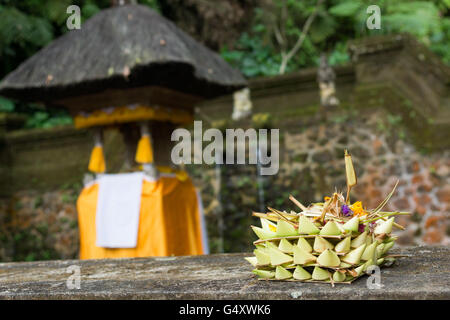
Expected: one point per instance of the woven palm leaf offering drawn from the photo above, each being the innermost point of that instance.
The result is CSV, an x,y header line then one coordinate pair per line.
x,y
330,242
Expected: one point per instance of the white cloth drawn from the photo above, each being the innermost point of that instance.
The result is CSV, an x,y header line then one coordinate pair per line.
x,y
118,206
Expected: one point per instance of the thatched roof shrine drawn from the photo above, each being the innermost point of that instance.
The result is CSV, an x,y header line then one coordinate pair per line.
x,y
121,55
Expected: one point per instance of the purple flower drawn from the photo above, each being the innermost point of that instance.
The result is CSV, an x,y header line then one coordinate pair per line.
x,y
346,211
361,227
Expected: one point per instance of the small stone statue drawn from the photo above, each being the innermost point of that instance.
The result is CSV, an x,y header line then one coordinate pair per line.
x,y
325,78
242,106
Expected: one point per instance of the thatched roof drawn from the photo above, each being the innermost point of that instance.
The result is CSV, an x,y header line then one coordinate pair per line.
x,y
121,47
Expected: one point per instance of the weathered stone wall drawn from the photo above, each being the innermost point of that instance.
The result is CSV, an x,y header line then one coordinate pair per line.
x,y
42,159
423,273
312,166
394,117
41,174
39,225
391,131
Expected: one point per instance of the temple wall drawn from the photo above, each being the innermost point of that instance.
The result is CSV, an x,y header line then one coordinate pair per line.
x,y
394,117
312,166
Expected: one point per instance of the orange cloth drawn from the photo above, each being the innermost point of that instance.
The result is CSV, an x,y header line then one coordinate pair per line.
x,y
169,222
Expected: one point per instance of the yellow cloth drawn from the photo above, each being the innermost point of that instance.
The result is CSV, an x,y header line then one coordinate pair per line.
x,y
169,223
126,114
144,152
180,174
97,160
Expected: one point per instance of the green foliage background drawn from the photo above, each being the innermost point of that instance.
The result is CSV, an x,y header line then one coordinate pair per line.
x,y
338,21
28,25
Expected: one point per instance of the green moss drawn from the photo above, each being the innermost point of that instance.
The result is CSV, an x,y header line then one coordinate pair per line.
x,y
42,228
416,217
407,120
69,198
295,112
300,157
18,205
418,232
37,202
73,224
30,257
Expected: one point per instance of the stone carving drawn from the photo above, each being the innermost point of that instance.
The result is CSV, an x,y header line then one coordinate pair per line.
x,y
325,78
242,106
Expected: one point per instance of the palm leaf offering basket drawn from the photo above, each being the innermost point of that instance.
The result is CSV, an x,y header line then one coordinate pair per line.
x,y
329,242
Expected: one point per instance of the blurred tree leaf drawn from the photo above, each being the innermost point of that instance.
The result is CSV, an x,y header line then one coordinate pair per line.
x,y
6,105
89,9
337,22
17,28
346,9
323,27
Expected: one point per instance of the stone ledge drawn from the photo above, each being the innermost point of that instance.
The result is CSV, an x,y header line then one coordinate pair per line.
x,y
423,275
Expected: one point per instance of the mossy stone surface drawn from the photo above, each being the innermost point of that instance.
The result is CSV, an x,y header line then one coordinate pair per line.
x,y
424,274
